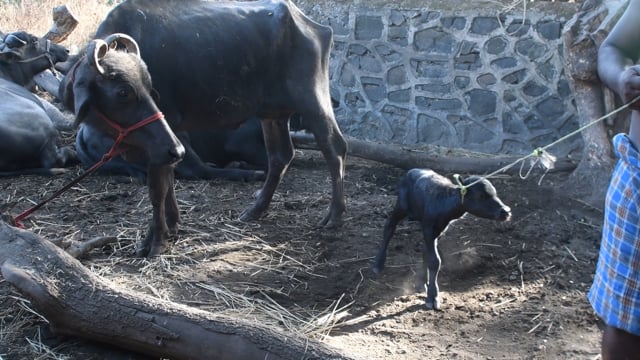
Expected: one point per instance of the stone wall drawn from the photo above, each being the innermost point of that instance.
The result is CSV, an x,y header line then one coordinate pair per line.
x,y
470,74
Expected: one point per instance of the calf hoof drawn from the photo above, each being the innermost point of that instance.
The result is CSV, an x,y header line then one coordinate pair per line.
x,y
378,265
433,304
376,270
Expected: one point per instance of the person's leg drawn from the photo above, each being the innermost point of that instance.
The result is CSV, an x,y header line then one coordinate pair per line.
x,y
620,345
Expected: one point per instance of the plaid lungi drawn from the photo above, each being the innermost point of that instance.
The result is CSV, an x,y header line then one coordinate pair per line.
x,y
615,292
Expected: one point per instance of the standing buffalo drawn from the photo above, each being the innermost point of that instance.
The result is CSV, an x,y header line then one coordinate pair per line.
x,y
28,133
214,65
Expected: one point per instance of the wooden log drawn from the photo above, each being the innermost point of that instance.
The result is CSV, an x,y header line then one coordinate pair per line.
x,y
77,302
63,24
406,158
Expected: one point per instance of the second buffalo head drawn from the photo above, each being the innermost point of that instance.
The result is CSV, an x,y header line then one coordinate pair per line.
x,y
110,88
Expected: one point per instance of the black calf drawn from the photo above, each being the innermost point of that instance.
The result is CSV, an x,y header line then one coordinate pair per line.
x,y
435,201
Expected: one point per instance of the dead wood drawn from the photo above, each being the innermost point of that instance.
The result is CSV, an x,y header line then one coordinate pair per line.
x,y
79,249
63,24
406,158
77,302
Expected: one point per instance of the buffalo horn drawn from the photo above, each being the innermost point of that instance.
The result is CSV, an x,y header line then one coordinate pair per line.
x,y
123,39
96,51
13,41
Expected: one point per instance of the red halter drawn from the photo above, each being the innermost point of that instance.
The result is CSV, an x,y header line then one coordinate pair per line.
x,y
123,132
114,151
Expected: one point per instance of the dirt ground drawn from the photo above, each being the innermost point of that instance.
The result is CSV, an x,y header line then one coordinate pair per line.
x,y
511,290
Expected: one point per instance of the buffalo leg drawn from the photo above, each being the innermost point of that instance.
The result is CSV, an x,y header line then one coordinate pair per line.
x,y
172,213
334,149
395,217
159,180
280,153
192,167
431,267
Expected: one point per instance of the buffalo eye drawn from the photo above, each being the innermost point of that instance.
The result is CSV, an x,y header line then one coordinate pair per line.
x,y
123,92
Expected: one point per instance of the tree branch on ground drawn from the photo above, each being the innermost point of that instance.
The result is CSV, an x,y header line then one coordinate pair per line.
x,y
78,303
428,157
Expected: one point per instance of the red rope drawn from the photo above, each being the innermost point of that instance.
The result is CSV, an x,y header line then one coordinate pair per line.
x,y
114,151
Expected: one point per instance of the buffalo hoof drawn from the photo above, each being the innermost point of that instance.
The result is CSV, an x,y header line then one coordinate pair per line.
x,y
151,246
150,251
331,221
246,175
250,214
257,175
433,303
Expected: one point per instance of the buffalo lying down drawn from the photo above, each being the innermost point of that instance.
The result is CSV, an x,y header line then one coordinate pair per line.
x,y
434,201
216,64
219,147
28,124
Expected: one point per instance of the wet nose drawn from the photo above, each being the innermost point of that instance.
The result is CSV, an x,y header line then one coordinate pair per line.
x,y
505,213
176,154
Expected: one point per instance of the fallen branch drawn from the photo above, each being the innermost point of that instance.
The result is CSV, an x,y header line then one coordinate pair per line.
x,y
78,249
408,159
74,300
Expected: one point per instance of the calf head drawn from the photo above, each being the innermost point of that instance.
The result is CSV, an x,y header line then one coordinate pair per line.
x,y
481,199
23,55
110,88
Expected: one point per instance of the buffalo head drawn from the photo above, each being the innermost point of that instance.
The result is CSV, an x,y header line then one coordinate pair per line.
x,y
110,88
23,55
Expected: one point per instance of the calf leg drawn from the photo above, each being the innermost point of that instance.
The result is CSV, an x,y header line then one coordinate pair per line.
x,y
394,218
431,267
280,152
159,181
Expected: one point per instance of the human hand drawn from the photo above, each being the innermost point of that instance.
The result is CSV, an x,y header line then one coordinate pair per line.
x,y
629,85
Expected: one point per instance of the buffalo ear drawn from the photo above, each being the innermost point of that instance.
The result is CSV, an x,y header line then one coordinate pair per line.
x,y
75,97
155,95
81,102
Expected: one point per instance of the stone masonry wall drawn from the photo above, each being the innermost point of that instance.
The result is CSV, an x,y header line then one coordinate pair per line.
x,y
468,74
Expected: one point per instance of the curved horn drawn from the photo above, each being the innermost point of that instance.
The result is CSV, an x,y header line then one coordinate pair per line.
x,y
127,41
96,51
13,41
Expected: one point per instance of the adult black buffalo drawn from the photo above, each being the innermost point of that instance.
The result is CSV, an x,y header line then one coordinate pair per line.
x,y
216,64
28,125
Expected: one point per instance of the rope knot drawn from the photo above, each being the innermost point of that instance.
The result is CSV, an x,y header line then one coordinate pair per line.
x,y
461,186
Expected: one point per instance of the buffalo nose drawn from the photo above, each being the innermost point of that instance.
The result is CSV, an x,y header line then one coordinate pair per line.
x,y
176,153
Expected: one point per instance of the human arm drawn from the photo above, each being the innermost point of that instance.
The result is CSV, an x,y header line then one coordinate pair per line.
x,y
619,53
